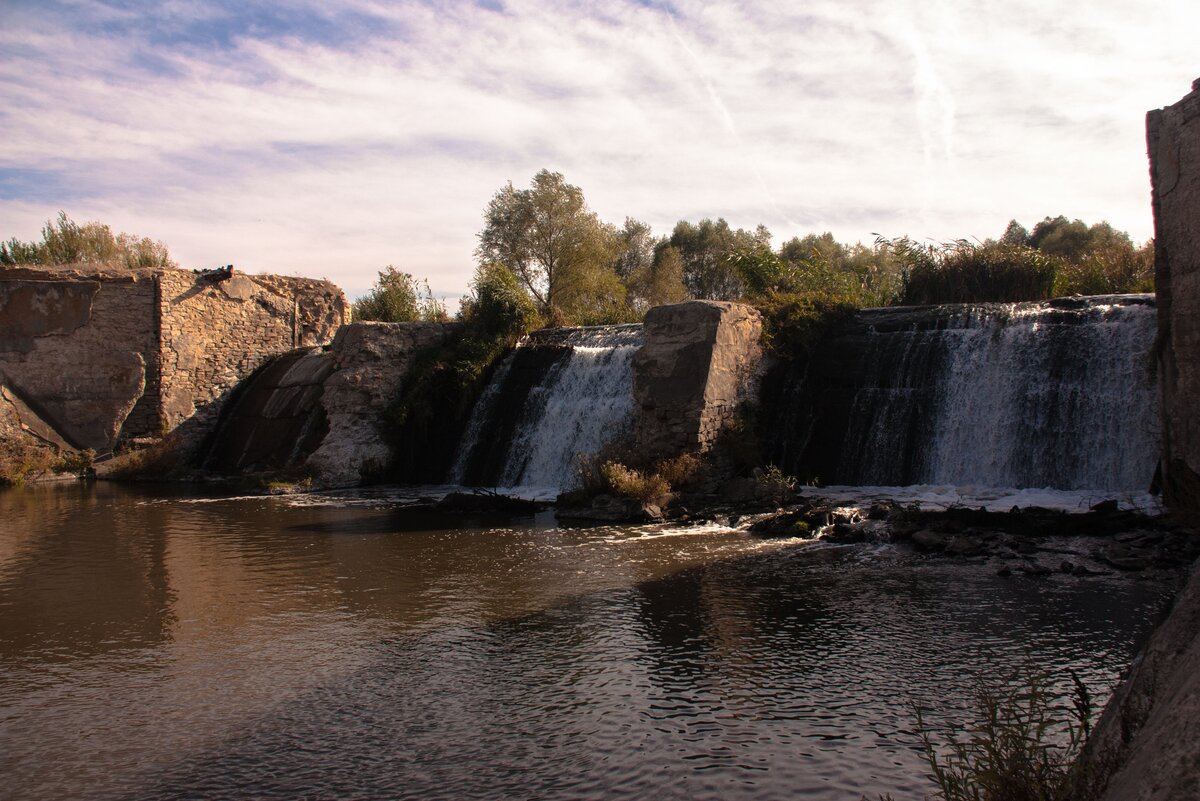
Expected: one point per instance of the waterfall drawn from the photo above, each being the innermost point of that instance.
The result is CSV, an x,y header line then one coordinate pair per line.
x,y
561,394
1050,394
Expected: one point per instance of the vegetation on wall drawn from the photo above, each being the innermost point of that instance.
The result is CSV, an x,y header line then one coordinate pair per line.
x,y
442,385
66,242
397,297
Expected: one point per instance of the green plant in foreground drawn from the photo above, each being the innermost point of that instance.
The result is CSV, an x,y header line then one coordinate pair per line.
x,y
1022,747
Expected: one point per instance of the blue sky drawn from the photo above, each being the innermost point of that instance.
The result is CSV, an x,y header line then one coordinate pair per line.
x,y
331,140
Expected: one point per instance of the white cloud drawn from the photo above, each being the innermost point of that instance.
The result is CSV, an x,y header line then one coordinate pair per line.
x,y
337,153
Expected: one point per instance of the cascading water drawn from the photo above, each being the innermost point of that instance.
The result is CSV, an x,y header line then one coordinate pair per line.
x,y
561,394
1052,394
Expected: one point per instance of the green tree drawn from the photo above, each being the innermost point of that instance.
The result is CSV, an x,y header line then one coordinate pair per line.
x,y
1015,234
705,248
636,245
549,238
398,298
658,283
498,309
1067,239
64,241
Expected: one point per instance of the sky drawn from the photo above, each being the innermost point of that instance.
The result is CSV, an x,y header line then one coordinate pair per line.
x,y
329,140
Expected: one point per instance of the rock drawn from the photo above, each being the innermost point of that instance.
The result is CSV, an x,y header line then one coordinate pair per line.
x,y
965,546
486,502
1036,569
1122,557
789,524
371,361
928,540
1143,746
1106,507
1004,571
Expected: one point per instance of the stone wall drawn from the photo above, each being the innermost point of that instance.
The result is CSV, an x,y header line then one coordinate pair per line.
x,y
1144,747
699,363
371,361
1173,139
103,355
216,332
75,347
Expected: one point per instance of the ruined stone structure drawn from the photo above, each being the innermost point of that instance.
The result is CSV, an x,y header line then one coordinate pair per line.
x,y
1173,138
700,361
1144,747
371,361
103,355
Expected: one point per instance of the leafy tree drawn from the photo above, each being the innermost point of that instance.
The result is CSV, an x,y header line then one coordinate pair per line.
x,y
636,248
1096,259
660,282
549,238
1015,234
498,308
705,248
66,242
1068,239
398,298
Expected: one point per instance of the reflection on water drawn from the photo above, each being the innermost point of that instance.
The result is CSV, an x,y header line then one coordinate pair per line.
x,y
157,647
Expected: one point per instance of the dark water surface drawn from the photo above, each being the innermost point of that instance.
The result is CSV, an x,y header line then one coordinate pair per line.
x,y
176,647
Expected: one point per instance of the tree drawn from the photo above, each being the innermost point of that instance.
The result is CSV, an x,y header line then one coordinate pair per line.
x,y
498,307
64,241
658,283
548,237
636,246
705,248
398,298
1015,234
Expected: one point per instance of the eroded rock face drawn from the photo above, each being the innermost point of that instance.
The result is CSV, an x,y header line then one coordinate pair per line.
x,y
700,361
1144,747
372,360
1173,138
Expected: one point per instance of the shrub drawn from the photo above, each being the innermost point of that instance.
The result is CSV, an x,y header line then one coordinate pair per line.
x,y
629,483
66,242
679,471
20,461
1022,747
772,484
794,322
78,462
398,298
967,272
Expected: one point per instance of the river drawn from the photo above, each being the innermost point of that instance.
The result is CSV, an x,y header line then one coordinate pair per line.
x,y
160,643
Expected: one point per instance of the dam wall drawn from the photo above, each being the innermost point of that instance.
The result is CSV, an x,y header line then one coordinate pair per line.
x,y
103,355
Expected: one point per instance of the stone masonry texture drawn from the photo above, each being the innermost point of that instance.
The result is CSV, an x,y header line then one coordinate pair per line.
x,y
699,363
103,354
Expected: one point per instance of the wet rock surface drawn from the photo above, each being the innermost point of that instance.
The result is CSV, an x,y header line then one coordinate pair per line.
x,y
1031,541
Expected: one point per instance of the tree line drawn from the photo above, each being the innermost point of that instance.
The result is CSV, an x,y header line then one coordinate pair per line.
x,y
577,269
